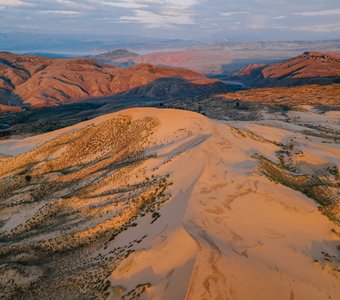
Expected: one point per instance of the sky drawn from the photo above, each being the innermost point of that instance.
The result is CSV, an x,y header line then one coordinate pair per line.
x,y
184,19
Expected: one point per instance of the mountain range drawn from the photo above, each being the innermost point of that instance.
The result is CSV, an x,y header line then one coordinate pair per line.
x,y
134,176
226,57
40,81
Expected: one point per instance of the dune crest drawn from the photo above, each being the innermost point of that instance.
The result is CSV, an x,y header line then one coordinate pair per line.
x,y
166,204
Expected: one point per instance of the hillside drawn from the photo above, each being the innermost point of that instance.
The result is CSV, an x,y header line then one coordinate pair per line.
x,y
248,70
313,94
308,68
115,208
37,81
6,108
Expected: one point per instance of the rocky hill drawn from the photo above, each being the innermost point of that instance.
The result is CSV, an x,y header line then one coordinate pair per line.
x,y
248,70
38,81
115,208
308,68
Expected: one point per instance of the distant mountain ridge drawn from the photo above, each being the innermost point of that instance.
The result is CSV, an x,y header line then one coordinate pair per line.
x,y
109,57
82,43
40,81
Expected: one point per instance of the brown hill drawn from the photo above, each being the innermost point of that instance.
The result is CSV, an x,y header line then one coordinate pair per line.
x,y
297,95
248,70
37,81
307,65
308,68
14,71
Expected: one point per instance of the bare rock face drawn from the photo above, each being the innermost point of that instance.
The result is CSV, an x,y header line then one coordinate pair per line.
x,y
37,81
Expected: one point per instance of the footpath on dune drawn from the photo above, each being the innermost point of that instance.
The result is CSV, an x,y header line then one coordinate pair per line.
x,y
165,204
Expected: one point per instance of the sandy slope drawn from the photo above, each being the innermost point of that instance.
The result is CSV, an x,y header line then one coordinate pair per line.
x,y
225,232
253,237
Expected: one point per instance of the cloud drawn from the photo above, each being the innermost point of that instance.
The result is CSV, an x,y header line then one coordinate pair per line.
x,y
279,17
136,4
156,13
123,4
187,19
180,4
330,12
158,20
74,4
234,13
59,12
14,3
66,2
322,28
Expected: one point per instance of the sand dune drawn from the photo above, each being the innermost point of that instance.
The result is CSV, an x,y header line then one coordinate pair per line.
x,y
168,204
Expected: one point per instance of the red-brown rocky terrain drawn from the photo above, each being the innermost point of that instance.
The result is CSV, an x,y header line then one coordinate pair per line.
x,y
6,108
37,81
308,68
248,70
312,94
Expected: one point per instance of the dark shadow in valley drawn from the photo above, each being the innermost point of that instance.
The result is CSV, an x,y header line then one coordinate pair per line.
x,y
256,80
45,119
165,89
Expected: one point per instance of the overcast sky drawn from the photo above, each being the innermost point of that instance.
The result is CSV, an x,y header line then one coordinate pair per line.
x,y
186,19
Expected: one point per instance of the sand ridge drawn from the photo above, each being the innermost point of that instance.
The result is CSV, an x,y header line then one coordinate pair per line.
x,y
204,223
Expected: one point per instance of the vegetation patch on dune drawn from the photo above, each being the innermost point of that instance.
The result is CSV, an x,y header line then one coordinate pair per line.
x,y
323,190
63,204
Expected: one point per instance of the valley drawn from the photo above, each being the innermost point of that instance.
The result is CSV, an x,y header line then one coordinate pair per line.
x,y
122,179
42,82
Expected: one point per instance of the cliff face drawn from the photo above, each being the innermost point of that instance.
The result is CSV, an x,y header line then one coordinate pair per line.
x,y
37,81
